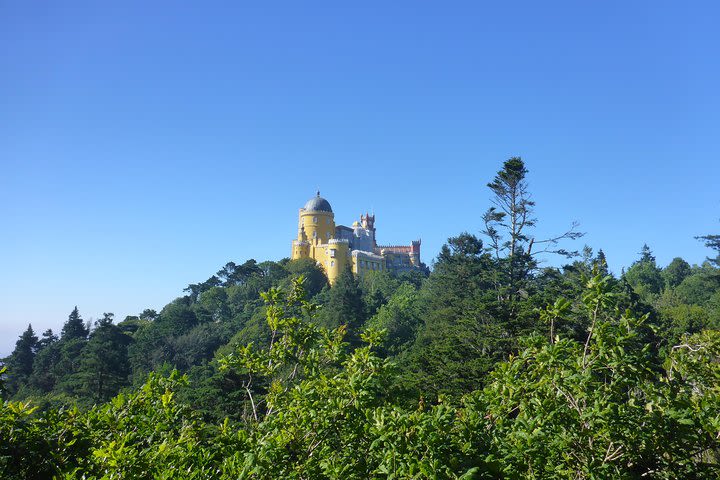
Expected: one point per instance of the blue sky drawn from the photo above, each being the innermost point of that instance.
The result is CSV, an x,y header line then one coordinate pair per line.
x,y
145,144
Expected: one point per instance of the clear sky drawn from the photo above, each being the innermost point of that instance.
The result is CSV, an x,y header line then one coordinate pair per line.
x,y
145,144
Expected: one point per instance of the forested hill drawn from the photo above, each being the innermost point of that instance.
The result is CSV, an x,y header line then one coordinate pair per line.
x,y
488,367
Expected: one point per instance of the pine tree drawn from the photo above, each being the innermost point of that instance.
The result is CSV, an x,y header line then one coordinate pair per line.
x,y
74,327
44,376
508,226
20,362
104,367
73,339
601,262
644,275
712,241
48,338
463,334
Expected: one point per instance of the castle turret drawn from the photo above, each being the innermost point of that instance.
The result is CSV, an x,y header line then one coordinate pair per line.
x,y
316,238
317,221
415,253
336,259
368,222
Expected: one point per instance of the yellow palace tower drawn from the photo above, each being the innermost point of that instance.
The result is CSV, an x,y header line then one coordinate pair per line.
x,y
337,247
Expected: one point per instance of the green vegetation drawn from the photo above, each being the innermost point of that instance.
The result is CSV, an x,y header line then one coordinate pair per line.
x,y
490,367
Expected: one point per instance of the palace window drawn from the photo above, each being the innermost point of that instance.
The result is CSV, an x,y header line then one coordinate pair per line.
x,y
314,219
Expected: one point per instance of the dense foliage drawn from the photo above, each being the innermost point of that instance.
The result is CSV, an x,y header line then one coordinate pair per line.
x,y
490,367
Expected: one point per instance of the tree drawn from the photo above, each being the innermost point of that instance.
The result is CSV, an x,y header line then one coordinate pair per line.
x,y
513,212
196,289
48,338
604,408
148,314
74,327
677,271
44,376
377,287
196,346
56,363
345,305
273,272
42,379
153,346
227,273
644,275
20,362
177,317
104,367
462,334
232,274
507,226
212,305
315,278
400,316
68,363
698,288
712,241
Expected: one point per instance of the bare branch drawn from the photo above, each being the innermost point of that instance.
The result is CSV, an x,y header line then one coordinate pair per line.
x,y
692,348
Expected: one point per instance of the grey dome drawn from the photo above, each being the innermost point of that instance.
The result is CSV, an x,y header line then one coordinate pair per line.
x,y
318,204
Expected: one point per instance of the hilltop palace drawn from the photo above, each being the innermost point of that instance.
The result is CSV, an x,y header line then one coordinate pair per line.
x,y
336,247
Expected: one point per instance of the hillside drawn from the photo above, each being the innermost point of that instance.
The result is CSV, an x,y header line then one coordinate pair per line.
x,y
489,366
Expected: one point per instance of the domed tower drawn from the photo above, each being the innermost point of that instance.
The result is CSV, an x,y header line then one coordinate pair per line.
x,y
316,221
316,238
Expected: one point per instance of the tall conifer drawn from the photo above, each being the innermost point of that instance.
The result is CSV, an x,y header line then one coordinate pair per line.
x,y
20,362
74,327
